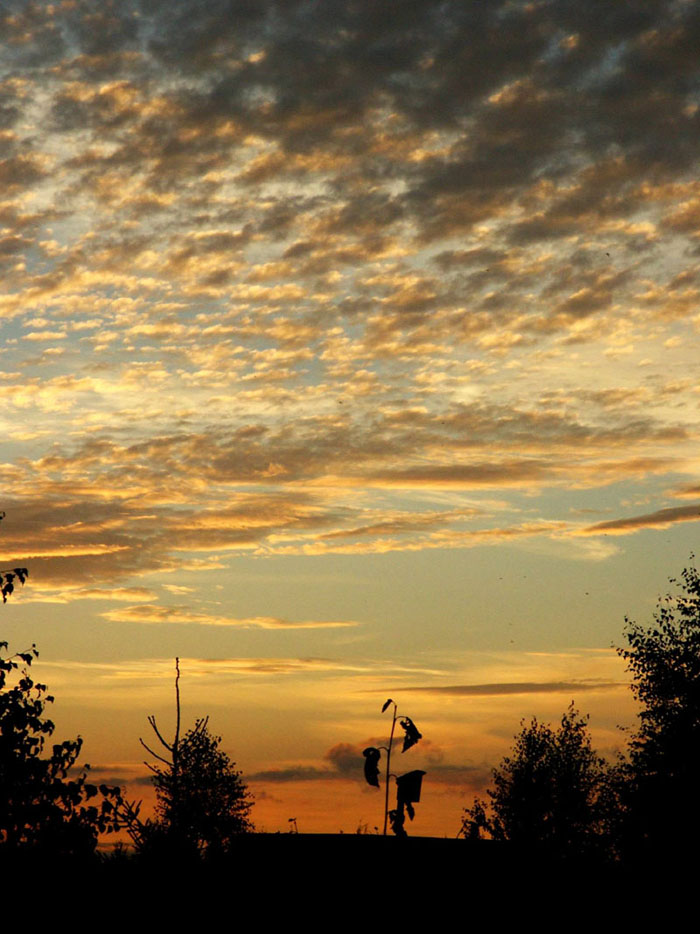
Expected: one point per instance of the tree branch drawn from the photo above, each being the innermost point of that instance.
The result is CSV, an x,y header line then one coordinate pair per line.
x,y
154,727
154,754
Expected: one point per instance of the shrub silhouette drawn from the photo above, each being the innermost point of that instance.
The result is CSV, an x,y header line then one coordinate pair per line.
x,y
662,780
550,792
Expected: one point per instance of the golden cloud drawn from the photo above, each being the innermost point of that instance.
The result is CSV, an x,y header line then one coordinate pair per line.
x,y
154,613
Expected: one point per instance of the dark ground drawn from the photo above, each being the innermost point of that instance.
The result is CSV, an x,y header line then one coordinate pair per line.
x,y
353,881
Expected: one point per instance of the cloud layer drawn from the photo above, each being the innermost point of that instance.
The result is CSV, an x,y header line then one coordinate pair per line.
x,y
256,261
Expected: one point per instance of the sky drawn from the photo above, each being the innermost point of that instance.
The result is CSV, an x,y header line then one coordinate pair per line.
x,y
348,350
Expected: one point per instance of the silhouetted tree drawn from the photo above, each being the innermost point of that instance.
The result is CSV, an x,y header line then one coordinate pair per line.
x,y
663,787
44,807
202,802
552,791
43,810
206,801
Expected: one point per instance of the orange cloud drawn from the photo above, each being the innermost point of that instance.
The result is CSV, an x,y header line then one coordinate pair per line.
x,y
152,613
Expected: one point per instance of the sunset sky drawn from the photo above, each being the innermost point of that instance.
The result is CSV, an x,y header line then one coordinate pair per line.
x,y
349,350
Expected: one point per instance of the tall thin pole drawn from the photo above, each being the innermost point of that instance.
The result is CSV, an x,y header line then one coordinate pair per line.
x,y
176,748
388,764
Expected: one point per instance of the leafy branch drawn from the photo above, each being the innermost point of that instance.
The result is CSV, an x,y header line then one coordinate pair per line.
x,y
408,786
8,576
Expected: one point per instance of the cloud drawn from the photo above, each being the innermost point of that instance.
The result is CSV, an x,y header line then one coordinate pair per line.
x,y
345,759
399,524
514,473
689,491
149,669
67,550
466,777
154,613
39,594
661,519
299,773
275,666
346,763
104,509
521,687
438,540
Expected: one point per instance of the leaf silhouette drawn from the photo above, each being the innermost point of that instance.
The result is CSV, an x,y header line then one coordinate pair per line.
x,y
408,788
372,755
412,735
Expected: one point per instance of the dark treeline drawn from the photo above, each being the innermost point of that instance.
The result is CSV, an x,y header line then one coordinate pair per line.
x,y
556,796
554,802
